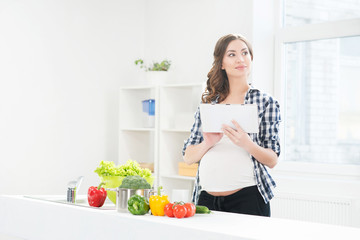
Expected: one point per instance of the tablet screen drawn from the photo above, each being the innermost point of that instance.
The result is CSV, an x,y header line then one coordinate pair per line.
x,y
214,115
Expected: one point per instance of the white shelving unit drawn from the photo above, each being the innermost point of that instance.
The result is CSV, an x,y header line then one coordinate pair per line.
x,y
175,105
137,141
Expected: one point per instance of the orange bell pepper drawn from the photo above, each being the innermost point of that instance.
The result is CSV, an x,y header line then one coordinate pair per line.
x,y
158,202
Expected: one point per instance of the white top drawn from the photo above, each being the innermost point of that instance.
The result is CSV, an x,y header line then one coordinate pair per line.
x,y
25,218
226,167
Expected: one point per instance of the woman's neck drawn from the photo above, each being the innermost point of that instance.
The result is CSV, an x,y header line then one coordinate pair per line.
x,y
238,88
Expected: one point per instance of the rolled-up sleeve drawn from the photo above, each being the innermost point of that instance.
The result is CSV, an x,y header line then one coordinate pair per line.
x,y
269,126
196,136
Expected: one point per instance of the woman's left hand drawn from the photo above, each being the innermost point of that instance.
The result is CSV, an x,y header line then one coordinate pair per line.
x,y
238,136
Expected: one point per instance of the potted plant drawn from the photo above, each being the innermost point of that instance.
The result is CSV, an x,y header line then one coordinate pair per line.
x,y
156,73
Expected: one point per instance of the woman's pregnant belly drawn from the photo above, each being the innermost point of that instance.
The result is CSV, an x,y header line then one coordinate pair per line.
x,y
226,167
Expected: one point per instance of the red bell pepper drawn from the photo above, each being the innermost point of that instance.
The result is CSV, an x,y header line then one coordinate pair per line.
x,y
97,195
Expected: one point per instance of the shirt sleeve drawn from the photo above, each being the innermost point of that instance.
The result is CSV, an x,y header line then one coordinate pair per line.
x,y
196,136
269,126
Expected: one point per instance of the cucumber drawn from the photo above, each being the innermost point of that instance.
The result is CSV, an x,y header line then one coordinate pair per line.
x,y
202,209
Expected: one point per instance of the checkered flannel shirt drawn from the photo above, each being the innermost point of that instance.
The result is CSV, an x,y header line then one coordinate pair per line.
x,y
267,137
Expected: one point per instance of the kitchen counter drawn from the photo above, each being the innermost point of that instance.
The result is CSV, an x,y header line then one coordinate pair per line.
x,y
28,218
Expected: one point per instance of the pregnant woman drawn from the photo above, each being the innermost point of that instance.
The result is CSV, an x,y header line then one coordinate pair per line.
x,y
232,174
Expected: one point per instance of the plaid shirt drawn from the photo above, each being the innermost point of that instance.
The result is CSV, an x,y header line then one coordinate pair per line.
x,y
267,137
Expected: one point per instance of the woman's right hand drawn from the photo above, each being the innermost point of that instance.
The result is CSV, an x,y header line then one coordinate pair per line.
x,y
194,153
211,138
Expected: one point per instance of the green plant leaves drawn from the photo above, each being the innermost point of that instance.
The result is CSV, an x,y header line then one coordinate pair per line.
x,y
156,66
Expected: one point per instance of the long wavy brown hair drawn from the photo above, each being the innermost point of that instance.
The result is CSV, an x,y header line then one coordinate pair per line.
x,y
218,83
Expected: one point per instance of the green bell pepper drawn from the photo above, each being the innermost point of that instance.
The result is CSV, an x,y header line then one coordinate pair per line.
x,y
138,205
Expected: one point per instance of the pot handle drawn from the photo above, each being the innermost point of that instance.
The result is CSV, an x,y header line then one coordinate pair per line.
x,y
112,189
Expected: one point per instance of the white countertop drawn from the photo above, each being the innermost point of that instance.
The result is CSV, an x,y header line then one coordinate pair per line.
x,y
36,219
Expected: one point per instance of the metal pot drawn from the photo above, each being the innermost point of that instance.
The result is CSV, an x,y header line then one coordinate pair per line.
x,y
123,195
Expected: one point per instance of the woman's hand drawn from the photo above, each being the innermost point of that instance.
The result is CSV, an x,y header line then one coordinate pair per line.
x,y
194,153
239,137
211,139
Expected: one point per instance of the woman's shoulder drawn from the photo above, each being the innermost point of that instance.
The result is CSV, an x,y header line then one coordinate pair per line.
x,y
260,96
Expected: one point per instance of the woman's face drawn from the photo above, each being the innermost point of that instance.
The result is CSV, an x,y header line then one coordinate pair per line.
x,y
237,59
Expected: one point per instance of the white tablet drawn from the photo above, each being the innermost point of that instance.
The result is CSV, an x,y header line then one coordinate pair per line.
x,y
213,116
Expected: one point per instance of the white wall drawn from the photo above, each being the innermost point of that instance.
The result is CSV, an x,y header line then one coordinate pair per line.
x,y
61,65
63,61
263,27
186,32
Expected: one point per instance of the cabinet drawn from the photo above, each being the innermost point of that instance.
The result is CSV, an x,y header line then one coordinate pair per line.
x,y
175,105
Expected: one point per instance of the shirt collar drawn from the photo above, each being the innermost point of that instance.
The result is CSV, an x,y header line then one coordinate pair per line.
x,y
252,88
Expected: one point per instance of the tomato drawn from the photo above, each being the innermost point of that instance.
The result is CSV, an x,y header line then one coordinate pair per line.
x,y
168,209
179,210
190,209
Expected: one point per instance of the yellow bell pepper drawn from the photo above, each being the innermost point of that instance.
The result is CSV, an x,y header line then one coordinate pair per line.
x,y
158,202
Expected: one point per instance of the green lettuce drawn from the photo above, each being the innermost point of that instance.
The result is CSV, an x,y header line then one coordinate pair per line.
x,y
130,168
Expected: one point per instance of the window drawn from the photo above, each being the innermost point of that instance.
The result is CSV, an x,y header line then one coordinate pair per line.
x,y
319,69
300,12
322,101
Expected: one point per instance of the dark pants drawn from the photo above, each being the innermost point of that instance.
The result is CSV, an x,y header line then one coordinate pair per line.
x,y
247,201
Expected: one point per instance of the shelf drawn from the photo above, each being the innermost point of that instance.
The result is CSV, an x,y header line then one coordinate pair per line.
x,y
138,129
179,177
176,130
140,87
175,105
181,85
170,85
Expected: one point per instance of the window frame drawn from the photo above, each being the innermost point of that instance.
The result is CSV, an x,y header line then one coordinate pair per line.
x,y
308,32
